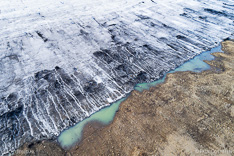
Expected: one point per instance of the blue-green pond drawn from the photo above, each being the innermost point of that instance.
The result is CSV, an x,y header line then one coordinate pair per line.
x,y
106,115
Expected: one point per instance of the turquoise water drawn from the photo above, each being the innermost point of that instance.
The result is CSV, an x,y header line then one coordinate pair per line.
x,y
106,115
74,134
196,64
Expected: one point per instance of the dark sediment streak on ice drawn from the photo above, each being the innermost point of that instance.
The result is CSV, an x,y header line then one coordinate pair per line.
x,y
58,67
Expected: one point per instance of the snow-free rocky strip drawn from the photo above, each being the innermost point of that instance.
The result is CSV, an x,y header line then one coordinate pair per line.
x,y
61,61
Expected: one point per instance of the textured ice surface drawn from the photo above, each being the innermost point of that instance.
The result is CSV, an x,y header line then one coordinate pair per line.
x,y
61,61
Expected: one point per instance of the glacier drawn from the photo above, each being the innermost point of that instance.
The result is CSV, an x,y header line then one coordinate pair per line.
x,y
61,61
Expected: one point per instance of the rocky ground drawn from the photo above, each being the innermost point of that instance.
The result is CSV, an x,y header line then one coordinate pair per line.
x,y
190,114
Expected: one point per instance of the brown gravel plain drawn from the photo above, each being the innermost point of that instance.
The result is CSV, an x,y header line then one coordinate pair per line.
x,y
189,114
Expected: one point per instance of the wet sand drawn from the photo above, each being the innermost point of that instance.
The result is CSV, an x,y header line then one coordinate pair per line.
x,y
189,114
